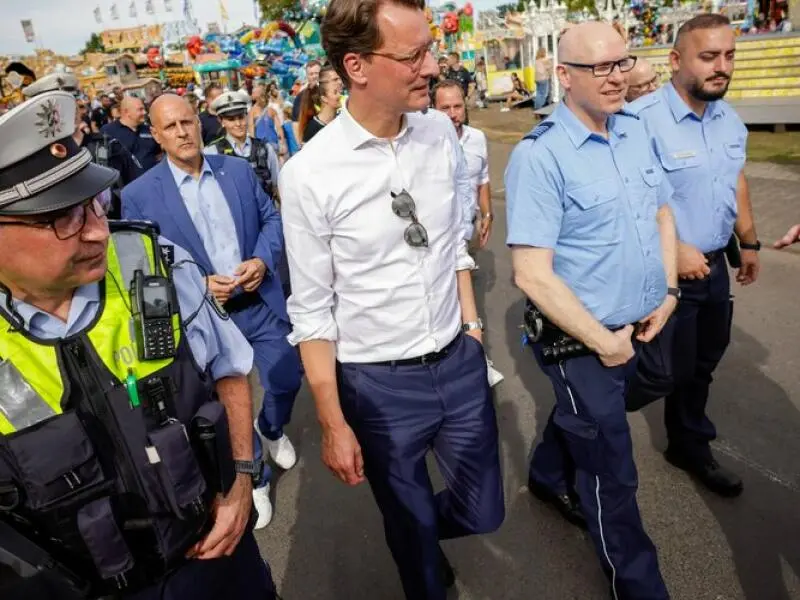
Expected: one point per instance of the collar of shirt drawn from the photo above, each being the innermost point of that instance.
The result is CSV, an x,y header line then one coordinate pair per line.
x,y
357,136
241,150
464,137
180,175
82,309
578,133
680,110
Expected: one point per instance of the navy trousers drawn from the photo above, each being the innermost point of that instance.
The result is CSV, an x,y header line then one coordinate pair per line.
x,y
679,363
244,576
398,414
587,447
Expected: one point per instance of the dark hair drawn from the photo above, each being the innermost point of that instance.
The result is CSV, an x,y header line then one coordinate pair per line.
x,y
352,26
210,88
312,98
446,84
703,21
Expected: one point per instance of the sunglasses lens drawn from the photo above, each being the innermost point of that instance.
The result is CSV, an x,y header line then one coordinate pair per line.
x,y
403,205
416,235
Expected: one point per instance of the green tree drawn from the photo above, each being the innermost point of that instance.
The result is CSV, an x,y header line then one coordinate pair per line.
x,y
275,10
95,44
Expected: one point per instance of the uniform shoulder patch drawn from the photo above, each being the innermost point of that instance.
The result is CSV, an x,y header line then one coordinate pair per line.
x,y
539,130
216,306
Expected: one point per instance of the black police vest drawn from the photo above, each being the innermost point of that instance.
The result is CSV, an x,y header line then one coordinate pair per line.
x,y
258,159
116,490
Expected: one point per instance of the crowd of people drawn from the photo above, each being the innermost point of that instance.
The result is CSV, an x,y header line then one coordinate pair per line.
x,y
334,241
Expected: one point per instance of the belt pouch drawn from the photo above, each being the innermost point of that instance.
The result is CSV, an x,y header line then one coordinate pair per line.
x,y
103,538
212,443
55,460
178,472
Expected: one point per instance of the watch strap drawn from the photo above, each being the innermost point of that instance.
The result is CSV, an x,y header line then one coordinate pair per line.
x,y
746,246
254,468
470,325
674,291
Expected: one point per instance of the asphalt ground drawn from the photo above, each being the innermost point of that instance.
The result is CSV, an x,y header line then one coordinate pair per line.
x,y
326,539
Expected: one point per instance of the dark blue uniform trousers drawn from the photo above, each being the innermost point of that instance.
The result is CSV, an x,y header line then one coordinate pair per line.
x,y
398,414
242,576
678,364
587,445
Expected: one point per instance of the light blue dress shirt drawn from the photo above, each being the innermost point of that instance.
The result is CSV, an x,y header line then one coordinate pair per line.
x,y
244,152
702,157
212,217
216,344
593,201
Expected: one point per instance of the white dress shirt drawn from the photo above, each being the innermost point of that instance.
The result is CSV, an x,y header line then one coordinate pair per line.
x,y
476,153
355,281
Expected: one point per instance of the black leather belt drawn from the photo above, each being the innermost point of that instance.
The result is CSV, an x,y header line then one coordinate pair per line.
x,y
714,256
242,302
425,359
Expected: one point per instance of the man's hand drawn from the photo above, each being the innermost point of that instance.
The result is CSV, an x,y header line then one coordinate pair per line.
x,y
622,349
477,334
652,324
792,237
691,262
341,453
221,286
250,274
231,515
748,272
485,231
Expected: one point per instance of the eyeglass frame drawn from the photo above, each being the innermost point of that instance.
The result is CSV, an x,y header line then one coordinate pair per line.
x,y
96,203
615,64
408,60
412,214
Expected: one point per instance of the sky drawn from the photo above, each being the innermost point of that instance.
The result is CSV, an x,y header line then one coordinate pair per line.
x,y
64,26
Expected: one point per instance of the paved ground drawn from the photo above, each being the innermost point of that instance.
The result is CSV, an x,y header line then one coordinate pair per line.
x,y
326,540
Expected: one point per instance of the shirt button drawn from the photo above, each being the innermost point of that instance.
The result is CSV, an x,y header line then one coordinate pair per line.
x,y
627,180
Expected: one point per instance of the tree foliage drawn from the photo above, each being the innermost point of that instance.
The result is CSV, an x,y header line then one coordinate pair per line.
x,y
94,44
275,10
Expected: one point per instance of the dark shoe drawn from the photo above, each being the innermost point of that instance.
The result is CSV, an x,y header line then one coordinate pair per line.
x,y
710,473
563,503
448,574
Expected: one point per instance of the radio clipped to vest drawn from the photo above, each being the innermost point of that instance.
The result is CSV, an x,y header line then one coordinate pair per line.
x,y
151,304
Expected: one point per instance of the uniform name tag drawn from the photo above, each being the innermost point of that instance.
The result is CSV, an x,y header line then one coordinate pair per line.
x,y
684,154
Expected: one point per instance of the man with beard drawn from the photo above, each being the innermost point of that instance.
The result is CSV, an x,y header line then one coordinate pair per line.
x,y
700,142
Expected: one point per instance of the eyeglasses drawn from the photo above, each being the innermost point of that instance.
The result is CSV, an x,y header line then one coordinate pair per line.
x,y
404,207
413,61
605,69
70,222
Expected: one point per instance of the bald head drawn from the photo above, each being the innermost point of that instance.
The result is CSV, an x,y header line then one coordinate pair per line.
x,y
176,128
642,80
589,42
131,111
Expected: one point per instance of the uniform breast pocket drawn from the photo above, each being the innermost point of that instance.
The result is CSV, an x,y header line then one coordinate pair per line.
x,y
646,201
593,213
679,160
734,155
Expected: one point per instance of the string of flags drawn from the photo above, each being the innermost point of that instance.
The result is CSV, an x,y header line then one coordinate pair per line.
x,y
149,9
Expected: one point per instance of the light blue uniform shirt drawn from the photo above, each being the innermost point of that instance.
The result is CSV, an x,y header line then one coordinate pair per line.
x,y
212,217
216,344
244,151
702,158
593,201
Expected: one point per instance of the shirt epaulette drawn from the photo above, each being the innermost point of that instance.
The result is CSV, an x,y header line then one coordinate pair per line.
x,y
538,131
627,112
638,105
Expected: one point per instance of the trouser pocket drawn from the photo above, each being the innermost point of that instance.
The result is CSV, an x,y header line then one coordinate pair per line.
x,y
583,439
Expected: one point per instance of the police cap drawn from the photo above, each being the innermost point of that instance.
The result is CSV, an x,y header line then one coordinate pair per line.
x,y
231,104
44,170
55,81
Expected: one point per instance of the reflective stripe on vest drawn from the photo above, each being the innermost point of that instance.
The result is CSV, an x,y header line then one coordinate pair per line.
x,y
111,336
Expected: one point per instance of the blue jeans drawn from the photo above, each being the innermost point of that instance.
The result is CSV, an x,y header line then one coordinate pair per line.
x,y
542,90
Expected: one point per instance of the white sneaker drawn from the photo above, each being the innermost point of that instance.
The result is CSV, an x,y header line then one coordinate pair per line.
x,y
281,450
495,376
263,506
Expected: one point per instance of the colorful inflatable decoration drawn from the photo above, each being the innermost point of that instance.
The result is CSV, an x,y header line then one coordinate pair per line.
x,y
155,59
194,45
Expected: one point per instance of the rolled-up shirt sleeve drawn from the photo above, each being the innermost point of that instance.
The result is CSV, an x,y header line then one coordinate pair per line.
x,y
307,236
216,342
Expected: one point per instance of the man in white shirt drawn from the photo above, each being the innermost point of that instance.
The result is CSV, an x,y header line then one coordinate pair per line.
x,y
448,98
382,303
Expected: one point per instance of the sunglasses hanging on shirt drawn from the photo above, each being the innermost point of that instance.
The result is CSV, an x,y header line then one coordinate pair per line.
x,y
403,206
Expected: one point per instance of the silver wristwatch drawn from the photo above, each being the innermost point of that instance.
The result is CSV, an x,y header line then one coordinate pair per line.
x,y
470,325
